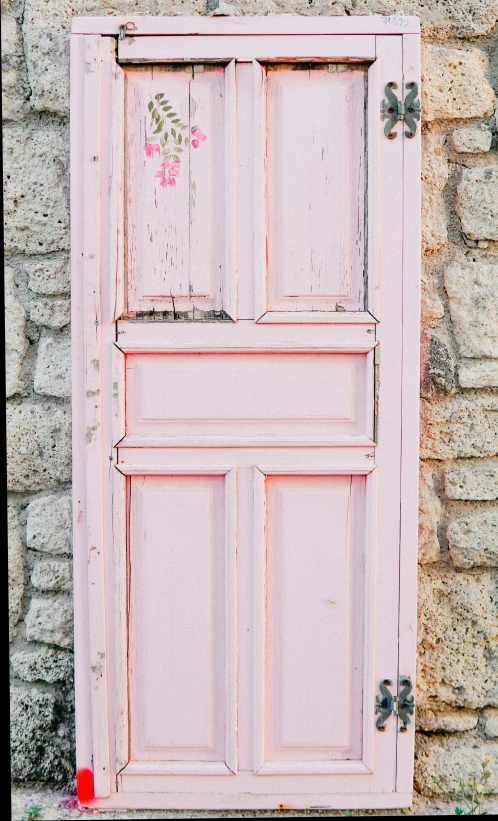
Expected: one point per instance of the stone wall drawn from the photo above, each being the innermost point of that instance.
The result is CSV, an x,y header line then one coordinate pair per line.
x,y
458,633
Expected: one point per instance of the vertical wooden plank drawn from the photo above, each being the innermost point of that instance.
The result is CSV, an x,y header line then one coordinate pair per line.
x,y
259,617
120,605
245,189
92,198
373,177
83,705
113,190
410,410
230,279
372,574
231,620
388,451
260,232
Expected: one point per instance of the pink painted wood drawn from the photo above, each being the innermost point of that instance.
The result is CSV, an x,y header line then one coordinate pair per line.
x,y
239,518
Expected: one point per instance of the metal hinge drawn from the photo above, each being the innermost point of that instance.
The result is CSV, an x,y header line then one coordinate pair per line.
x,y
407,110
388,705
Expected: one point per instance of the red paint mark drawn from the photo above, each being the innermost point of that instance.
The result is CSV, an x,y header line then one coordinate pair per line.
x,y
84,785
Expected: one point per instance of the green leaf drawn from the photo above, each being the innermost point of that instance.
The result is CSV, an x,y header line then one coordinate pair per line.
x,y
176,121
187,140
193,128
150,106
159,128
176,157
180,150
171,114
179,138
159,96
166,107
173,132
183,127
166,136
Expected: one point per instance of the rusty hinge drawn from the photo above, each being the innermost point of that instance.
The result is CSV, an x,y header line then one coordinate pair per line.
x,y
407,110
388,705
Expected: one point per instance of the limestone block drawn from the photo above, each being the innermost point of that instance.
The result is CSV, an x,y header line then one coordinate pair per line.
x,y
457,721
472,289
38,446
457,649
16,568
46,30
449,759
431,306
41,738
474,373
454,84
457,427
49,276
453,18
491,723
53,575
36,188
13,98
16,344
49,524
473,539
429,517
437,364
472,483
53,367
472,139
52,313
50,621
43,664
477,202
434,179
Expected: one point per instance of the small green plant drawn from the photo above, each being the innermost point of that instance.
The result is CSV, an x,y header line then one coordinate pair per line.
x,y
33,812
470,791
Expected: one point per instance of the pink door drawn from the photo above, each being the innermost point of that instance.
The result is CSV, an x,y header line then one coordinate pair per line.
x,y
246,366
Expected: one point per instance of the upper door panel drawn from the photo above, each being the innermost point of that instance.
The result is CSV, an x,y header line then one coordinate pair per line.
x,y
175,126
315,182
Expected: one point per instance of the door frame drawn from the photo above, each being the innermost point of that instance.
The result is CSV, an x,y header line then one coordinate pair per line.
x,y
98,370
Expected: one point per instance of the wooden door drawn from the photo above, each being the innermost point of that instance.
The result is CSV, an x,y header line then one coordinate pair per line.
x,y
246,320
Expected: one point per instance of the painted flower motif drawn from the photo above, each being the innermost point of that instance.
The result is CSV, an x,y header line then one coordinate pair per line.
x,y
167,127
151,148
197,135
167,173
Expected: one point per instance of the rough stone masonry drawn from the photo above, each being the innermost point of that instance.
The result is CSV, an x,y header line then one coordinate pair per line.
x,y
458,631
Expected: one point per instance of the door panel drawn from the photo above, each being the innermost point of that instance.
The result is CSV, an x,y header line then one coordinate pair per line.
x,y
316,187
314,581
175,130
234,394
179,637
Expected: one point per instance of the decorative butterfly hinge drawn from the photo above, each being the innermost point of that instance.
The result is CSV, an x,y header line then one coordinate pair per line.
x,y
387,705
407,110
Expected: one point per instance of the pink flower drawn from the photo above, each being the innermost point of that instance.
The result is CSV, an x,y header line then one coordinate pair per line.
x,y
167,173
199,136
195,143
151,148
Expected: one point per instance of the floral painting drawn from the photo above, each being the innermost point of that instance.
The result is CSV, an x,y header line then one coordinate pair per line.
x,y
168,138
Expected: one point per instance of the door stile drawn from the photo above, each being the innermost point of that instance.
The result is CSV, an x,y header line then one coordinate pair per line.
x,y
91,254
83,689
410,413
260,175
388,449
230,279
